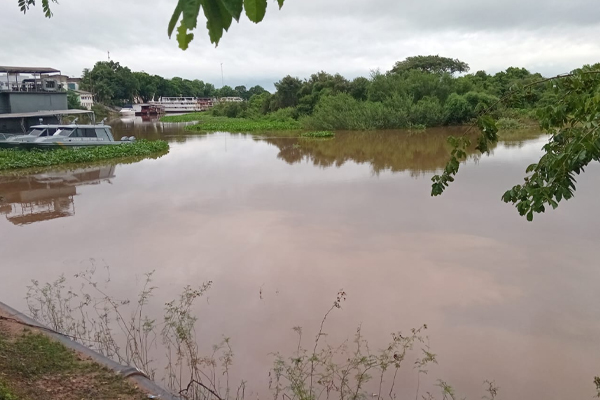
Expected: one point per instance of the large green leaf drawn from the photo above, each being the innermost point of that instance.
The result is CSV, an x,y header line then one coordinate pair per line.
x,y
191,9
234,7
218,19
255,9
174,19
226,16
184,38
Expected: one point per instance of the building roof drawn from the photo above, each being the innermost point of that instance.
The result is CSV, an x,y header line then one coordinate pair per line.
x,y
49,113
81,92
27,70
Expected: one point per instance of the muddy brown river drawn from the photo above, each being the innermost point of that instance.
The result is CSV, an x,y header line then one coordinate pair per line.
x,y
279,225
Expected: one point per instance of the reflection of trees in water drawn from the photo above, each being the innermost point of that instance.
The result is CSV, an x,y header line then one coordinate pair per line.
x,y
417,152
48,195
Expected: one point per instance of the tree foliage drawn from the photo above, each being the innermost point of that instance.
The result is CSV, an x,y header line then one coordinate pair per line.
x,y
25,4
573,122
114,84
73,101
219,15
433,64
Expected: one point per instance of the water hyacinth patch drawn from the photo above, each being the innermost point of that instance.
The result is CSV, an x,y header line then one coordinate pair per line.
x,y
318,134
15,159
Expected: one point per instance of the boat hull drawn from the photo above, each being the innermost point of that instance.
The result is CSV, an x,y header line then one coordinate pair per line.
x,y
8,145
55,145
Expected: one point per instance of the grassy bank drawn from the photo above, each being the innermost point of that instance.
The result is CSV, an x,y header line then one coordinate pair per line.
x,y
318,134
35,367
15,159
225,124
191,117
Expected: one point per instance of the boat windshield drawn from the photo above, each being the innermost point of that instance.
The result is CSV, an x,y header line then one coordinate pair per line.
x,y
36,132
63,132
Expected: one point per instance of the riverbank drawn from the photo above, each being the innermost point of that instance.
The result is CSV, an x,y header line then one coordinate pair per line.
x,y
205,122
11,159
33,366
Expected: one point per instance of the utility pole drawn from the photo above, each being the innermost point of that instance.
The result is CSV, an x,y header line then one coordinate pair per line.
x,y
108,55
222,80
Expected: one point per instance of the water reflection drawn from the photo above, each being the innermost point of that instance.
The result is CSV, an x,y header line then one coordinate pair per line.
x,y
46,196
147,127
415,151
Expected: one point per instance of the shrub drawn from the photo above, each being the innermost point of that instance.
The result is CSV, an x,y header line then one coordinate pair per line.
x,y
343,112
509,124
282,115
457,110
229,109
428,111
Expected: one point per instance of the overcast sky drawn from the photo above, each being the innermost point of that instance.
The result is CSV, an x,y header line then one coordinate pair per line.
x,y
351,37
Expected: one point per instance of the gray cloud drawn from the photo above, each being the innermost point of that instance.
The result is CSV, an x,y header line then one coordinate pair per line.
x,y
347,36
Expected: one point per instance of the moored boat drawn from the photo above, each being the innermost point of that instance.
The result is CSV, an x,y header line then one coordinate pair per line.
x,y
127,111
64,136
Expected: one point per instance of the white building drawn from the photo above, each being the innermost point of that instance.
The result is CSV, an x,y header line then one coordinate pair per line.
x,y
85,99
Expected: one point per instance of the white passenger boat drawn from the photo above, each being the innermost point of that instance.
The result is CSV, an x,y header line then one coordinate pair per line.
x,y
64,136
184,104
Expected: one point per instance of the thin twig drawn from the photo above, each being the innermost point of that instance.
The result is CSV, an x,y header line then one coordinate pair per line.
x,y
202,385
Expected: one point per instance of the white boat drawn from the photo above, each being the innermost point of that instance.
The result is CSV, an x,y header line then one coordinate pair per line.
x,y
64,136
127,111
183,104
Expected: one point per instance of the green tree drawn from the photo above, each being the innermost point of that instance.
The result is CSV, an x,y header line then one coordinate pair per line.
x,y
242,92
227,91
73,100
256,90
286,94
431,64
110,83
359,88
147,86
457,110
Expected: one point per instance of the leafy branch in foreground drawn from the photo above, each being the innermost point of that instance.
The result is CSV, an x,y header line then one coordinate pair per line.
x,y
25,4
219,15
573,124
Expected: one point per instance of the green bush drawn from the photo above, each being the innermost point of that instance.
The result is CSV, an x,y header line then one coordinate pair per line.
x,y
428,111
223,124
282,115
230,109
506,124
457,110
344,112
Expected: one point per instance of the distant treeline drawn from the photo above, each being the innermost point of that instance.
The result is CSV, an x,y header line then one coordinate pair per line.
x,y
419,91
114,84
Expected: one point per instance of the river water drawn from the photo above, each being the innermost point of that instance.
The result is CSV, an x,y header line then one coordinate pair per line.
x,y
280,225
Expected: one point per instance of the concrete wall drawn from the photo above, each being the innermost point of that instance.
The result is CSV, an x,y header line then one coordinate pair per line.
x,y
21,102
